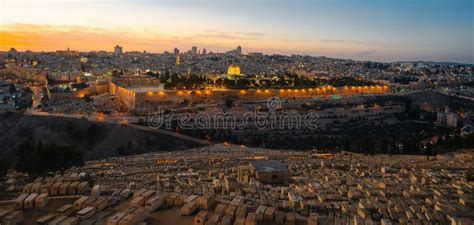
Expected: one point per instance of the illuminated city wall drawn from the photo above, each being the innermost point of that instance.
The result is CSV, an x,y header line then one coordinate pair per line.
x,y
150,101
97,89
127,97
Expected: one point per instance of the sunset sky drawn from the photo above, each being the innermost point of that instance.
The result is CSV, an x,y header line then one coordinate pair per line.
x,y
384,30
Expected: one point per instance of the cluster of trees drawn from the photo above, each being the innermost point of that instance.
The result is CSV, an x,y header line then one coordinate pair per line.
x,y
176,81
377,65
38,158
402,138
281,81
292,80
91,135
452,143
360,144
405,79
407,147
126,150
4,166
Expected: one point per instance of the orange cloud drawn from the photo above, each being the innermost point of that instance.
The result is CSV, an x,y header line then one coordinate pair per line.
x,y
50,38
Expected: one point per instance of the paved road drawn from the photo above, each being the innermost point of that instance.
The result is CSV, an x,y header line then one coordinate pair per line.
x,y
174,134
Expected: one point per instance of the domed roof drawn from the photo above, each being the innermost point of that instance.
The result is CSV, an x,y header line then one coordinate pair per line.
x,y
233,69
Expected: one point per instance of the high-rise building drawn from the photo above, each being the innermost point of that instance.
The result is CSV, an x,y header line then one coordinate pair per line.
x,y
194,50
118,50
176,51
178,60
204,51
12,53
238,51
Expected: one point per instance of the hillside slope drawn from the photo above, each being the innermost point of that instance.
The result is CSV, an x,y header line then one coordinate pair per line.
x,y
95,140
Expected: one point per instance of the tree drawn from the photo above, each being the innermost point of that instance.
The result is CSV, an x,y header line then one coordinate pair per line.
x,y
229,102
470,176
39,159
87,97
4,166
93,133
125,150
12,88
75,132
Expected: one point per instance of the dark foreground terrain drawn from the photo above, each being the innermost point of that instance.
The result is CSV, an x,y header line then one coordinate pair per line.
x,y
94,140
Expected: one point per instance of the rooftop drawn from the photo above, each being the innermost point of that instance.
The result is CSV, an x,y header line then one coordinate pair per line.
x,y
141,89
269,166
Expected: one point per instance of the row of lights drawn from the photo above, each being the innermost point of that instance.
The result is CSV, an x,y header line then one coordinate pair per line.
x,y
324,89
181,93
283,91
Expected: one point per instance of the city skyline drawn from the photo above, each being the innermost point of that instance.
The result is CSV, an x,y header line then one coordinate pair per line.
x,y
363,30
236,112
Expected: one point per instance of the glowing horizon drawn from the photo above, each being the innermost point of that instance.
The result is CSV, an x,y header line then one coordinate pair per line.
x,y
434,30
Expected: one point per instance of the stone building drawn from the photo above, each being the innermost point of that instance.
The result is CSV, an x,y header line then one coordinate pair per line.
x,y
269,171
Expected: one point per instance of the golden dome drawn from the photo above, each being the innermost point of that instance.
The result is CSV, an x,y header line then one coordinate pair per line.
x,y
233,70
